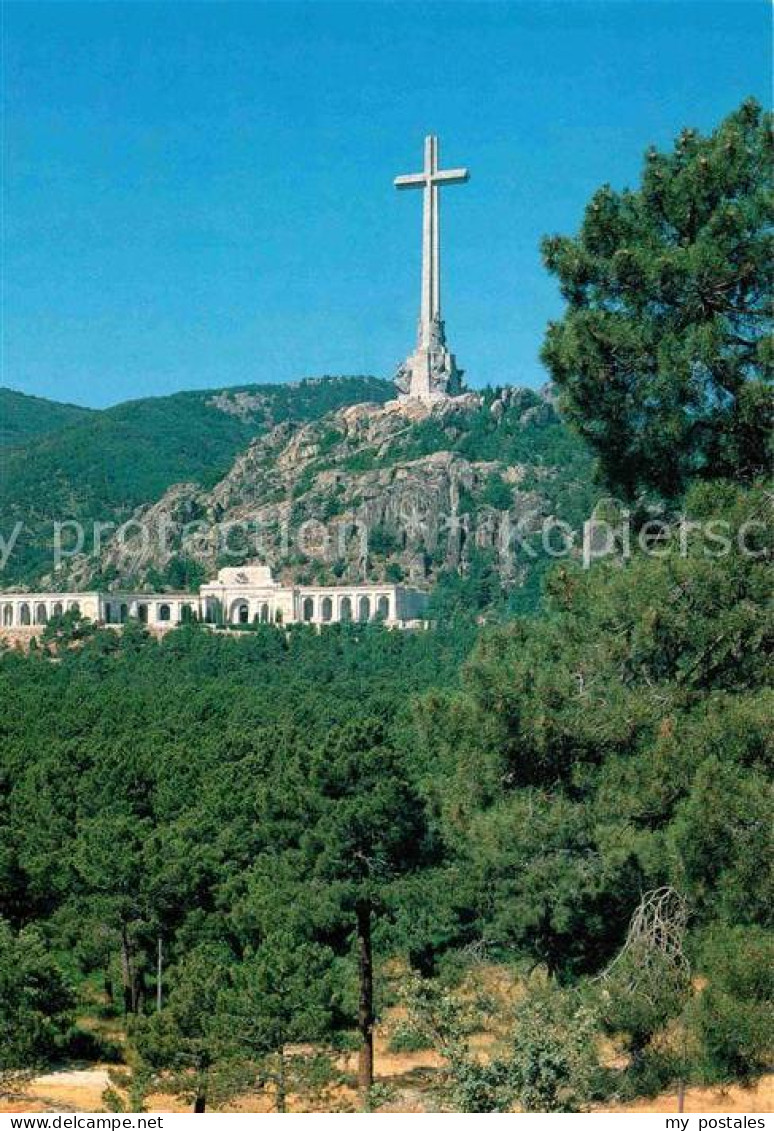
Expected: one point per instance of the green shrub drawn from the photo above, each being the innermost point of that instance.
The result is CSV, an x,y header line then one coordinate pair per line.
x,y
639,1003
649,1074
497,493
90,1046
382,541
733,1017
394,573
360,461
553,1059
406,1038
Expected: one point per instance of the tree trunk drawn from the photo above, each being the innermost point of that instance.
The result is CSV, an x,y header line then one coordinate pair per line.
x,y
140,991
200,1098
365,1020
159,972
281,1082
126,972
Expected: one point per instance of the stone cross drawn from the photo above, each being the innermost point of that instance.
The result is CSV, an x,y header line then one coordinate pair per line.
x,y
430,180
430,374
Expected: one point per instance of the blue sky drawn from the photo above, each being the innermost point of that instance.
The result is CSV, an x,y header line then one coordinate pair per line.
x,y
200,194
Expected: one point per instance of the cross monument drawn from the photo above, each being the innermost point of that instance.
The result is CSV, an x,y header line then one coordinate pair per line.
x,y
430,373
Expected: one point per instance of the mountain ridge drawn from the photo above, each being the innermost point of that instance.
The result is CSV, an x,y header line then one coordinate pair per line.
x,y
23,416
102,467
328,479
401,493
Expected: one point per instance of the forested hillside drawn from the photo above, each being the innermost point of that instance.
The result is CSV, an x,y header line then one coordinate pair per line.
x,y
23,417
405,494
444,495
102,467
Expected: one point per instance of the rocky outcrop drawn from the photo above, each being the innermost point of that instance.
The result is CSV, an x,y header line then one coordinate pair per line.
x,y
389,491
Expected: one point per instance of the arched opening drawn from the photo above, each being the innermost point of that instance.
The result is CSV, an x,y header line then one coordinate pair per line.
x,y
308,608
240,612
74,607
326,609
383,607
109,613
58,609
142,614
165,612
7,615
278,616
264,613
41,616
186,614
24,614
364,608
345,609
123,614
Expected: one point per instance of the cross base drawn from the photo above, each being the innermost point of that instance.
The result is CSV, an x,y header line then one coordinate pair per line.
x,y
429,375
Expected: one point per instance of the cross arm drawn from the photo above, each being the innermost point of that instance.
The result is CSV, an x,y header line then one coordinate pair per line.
x,y
451,176
411,180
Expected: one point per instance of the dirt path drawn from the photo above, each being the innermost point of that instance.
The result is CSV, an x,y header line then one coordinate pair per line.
x,y
750,1101
81,1090
76,1089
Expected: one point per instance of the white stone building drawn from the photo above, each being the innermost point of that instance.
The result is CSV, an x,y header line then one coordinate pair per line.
x,y
238,596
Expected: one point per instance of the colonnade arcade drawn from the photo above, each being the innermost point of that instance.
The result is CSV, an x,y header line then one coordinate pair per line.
x,y
312,608
28,611
322,608
34,610
317,608
162,609
240,610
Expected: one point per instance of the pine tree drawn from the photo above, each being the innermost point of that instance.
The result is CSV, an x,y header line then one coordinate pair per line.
x,y
663,354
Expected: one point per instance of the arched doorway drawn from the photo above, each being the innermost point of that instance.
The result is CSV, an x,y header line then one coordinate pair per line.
x,y
57,610
264,613
383,607
326,609
7,615
165,613
74,607
142,614
186,614
364,608
24,614
109,613
41,615
240,612
345,609
308,608
123,614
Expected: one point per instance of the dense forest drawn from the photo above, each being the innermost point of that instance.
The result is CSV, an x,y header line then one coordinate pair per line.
x,y
23,417
541,848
